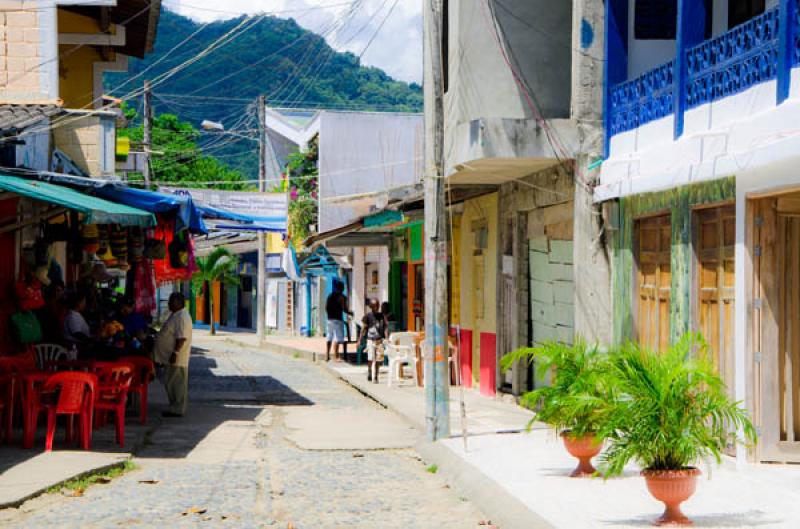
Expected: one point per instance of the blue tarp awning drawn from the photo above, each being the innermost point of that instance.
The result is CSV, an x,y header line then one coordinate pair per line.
x,y
187,214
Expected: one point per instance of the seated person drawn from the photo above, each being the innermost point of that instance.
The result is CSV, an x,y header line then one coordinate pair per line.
x,y
134,323
76,330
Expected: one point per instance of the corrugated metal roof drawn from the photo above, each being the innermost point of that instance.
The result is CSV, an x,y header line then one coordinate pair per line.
x,y
21,116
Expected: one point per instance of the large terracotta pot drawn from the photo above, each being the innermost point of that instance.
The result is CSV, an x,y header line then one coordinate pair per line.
x,y
583,449
672,487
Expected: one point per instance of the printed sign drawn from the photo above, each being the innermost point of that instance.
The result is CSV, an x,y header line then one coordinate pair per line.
x,y
264,205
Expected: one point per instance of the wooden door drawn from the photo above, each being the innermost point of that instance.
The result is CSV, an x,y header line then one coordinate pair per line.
x,y
653,281
715,241
776,333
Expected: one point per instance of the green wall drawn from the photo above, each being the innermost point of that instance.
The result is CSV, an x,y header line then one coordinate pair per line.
x,y
680,202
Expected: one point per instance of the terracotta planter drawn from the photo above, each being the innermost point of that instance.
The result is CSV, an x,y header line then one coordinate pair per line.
x,y
583,449
672,487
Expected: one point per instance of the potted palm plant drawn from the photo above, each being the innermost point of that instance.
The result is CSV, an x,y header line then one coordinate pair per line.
x,y
220,265
577,400
671,412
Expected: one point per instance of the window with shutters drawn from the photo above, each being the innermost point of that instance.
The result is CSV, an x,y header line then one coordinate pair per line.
x,y
653,281
715,243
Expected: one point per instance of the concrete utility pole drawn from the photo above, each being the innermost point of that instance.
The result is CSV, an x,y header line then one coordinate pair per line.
x,y
437,372
147,115
261,290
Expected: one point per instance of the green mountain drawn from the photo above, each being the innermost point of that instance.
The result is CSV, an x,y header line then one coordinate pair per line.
x,y
276,57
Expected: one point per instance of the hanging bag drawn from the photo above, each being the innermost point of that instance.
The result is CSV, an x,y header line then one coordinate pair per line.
x,y
154,249
179,251
26,327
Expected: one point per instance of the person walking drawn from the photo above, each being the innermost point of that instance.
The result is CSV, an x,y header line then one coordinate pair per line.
x,y
335,310
374,327
172,348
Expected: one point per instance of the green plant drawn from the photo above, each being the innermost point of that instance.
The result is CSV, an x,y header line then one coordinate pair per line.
x,y
433,469
579,397
81,483
220,265
672,409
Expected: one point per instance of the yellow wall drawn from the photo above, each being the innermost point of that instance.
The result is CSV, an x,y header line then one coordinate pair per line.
x,y
482,209
76,64
455,272
275,243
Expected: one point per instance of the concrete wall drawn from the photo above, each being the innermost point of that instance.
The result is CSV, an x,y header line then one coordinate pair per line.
x,y
89,140
481,84
27,49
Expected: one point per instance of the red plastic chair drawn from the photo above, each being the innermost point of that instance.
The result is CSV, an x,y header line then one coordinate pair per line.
x,y
16,366
112,393
76,394
7,393
143,374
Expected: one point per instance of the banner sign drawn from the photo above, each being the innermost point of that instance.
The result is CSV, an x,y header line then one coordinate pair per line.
x,y
253,204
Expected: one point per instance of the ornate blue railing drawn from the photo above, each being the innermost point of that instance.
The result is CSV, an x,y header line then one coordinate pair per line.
x,y
736,60
646,98
730,63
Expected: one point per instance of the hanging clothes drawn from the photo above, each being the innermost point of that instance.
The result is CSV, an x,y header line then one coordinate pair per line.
x,y
164,269
144,289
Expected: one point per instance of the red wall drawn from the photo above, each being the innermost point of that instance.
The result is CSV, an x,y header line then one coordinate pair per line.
x,y
488,380
466,358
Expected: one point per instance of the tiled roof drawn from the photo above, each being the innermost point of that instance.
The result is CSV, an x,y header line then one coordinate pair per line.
x,y
21,116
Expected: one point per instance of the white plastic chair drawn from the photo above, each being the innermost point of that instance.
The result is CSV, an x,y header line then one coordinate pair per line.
x,y
50,352
400,350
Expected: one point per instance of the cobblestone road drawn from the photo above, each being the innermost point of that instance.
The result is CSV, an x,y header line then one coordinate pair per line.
x,y
240,460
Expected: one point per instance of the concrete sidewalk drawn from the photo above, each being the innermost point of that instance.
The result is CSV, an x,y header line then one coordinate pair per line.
x,y
25,474
520,479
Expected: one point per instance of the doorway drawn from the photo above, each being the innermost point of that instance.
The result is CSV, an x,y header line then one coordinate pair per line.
x,y
653,281
775,349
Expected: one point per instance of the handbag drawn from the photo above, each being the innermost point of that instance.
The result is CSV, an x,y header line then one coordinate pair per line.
x,y
179,252
154,249
26,327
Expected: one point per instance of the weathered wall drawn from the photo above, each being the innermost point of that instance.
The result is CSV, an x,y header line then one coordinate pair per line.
x,y
680,202
535,210
89,141
479,296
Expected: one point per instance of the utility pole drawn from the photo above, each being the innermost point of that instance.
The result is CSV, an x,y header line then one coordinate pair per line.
x,y
437,372
147,111
261,290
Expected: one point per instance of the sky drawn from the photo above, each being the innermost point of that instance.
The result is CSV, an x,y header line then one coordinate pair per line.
x,y
350,24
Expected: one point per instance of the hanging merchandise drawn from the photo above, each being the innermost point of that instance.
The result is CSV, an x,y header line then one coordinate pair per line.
x,y
180,253
179,250
26,328
89,236
41,248
57,231
102,240
29,293
119,246
107,256
155,249
144,289
135,244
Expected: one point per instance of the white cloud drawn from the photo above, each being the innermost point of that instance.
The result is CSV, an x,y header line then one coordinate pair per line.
x,y
396,49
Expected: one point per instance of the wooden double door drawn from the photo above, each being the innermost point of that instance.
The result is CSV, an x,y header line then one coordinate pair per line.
x,y
711,282
774,244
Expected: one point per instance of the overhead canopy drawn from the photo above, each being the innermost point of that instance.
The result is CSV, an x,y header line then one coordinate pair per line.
x,y
187,214
95,210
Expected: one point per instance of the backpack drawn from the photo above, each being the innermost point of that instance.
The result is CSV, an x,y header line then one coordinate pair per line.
x,y
377,326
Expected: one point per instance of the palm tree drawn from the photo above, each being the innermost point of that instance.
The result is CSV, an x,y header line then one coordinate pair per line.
x,y
220,265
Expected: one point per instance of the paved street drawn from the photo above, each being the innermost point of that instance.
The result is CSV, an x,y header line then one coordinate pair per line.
x,y
270,441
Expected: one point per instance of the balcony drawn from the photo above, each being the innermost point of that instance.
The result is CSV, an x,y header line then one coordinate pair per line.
x,y
732,62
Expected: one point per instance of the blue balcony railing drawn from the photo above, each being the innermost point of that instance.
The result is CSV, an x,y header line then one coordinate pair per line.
x,y
717,68
734,61
644,99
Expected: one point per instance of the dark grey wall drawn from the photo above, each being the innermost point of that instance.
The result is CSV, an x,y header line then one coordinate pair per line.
x,y
538,39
